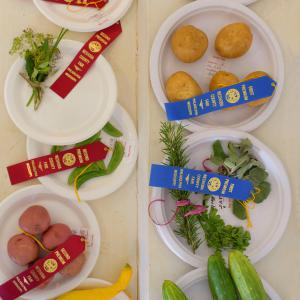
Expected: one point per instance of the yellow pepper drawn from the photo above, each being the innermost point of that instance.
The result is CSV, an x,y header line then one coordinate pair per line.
x,y
105,293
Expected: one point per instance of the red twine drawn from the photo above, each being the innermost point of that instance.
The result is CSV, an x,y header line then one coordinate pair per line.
x,y
198,210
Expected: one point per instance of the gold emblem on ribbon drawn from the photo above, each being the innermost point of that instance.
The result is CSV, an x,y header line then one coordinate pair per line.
x,y
69,159
233,96
95,46
214,184
50,265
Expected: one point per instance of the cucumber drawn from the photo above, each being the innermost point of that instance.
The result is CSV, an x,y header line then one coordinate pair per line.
x,y
171,291
220,282
245,277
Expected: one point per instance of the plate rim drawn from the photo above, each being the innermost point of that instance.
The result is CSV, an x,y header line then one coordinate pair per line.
x,y
200,275
178,15
77,28
166,234
36,189
88,196
102,63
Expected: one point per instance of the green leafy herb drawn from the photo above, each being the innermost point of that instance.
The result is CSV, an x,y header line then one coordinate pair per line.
x,y
239,210
241,163
220,236
265,190
40,52
173,138
219,155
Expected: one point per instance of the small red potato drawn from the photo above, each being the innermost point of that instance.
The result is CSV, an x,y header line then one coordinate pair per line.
x,y
22,249
35,220
56,235
74,267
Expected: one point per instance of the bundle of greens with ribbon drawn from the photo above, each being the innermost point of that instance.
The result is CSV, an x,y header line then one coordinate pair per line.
x,y
236,174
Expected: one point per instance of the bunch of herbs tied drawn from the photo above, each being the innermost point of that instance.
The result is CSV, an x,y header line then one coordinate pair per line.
x,y
98,168
240,163
218,235
40,52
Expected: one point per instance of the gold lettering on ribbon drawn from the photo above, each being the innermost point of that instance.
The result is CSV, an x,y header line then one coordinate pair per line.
x,y
29,169
70,77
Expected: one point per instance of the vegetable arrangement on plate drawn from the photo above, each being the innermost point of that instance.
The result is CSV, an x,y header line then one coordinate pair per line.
x,y
40,52
37,238
240,162
218,235
239,281
82,174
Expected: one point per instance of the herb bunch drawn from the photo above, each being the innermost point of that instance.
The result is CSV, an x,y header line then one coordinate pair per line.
x,y
40,52
218,235
240,162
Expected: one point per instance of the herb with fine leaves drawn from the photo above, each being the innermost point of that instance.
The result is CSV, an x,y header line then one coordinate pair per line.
x,y
40,52
220,236
173,138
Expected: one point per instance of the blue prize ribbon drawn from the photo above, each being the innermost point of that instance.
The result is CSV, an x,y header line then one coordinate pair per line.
x,y
230,96
177,178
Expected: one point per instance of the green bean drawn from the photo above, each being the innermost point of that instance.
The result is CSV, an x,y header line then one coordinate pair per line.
x,y
89,175
92,139
56,149
116,158
111,130
78,170
101,165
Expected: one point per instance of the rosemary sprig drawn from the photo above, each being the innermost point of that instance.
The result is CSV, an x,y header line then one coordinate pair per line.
x,y
173,138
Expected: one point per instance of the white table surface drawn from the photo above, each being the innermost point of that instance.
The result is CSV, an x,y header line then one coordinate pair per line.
x,y
117,214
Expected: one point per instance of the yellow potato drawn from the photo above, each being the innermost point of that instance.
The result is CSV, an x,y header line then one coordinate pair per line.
x,y
222,79
189,43
181,86
255,75
234,40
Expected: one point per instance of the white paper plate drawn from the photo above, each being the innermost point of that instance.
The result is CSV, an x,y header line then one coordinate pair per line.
x,y
78,216
84,19
270,218
102,186
92,283
211,15
195,283
63,121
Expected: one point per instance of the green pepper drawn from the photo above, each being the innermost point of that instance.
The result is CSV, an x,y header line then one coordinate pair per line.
x,y
116,158
111,130
92,139
56,149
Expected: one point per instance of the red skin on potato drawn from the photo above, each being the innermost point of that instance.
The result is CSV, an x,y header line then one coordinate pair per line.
x,y
22,249
35,220
56,235
74,267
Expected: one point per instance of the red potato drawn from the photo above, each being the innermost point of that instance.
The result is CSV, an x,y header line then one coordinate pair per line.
x,y
74,267
35,220
22,249
56,235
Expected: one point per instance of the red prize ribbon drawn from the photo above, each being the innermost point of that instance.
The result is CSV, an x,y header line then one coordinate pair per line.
x,y
43,269
85,59
57,162
85,3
